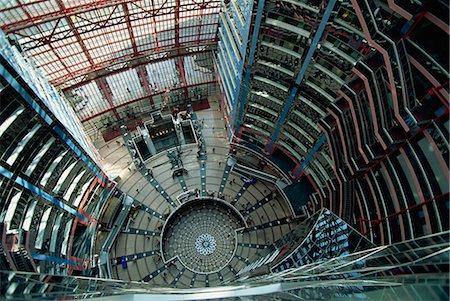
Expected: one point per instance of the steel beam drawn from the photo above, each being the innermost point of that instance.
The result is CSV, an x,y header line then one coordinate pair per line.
x,y
66,12
250,61
414,135
154,27
177,22
77,35
299,171
104,26
130,29
442,198
111,20
106,92
21,5
179,65
94,72
312,49
142,73
37,190
139,99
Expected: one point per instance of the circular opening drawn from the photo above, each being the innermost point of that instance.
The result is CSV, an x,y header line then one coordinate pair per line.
x,y
201,234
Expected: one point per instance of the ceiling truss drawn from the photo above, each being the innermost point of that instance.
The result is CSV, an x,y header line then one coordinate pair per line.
x,y
74,41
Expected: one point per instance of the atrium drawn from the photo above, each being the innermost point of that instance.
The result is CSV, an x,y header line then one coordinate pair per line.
x,y
224,150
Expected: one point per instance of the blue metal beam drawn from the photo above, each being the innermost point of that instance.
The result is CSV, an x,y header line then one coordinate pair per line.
x,y
311,154
54,259
301,75
27,97
47,118
251,58
79,153
24,183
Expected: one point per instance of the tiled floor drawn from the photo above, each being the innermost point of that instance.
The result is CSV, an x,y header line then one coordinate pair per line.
x,y
254,203
202,234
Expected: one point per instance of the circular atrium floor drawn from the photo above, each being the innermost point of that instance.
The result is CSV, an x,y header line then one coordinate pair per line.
x,y
266,213
202,234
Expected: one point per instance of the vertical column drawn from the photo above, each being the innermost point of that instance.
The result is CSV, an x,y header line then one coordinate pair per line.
x,y
301,74
249,65
179,131
179,65
148,141
179,61
297,172
143,75
106,91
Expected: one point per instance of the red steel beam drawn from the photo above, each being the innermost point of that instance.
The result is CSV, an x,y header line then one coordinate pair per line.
x,y
22,5
125,59
380,220
139,99
177,23
130,29
118,41
67,12
200,22
49,44
415,135
103,22
76,33
142,73
155,33
103,87
96,66
37,43
436,21
92,71
65,34
157,10
3,235
96,74
179,66
154,50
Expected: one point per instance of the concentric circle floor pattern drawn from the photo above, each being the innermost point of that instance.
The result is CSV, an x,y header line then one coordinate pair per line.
x,y
205,244
202,236
140,243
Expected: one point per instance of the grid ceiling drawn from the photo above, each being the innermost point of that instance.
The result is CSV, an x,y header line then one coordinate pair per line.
x,y
73,40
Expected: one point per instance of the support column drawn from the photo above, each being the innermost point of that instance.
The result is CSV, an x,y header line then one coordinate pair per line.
x,y
148,141
143,75
179,131
179,64
179,61
249,65
106,91
297,172
301,74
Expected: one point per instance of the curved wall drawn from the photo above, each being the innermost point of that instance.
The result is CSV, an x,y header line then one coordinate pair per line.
x,y
367,80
